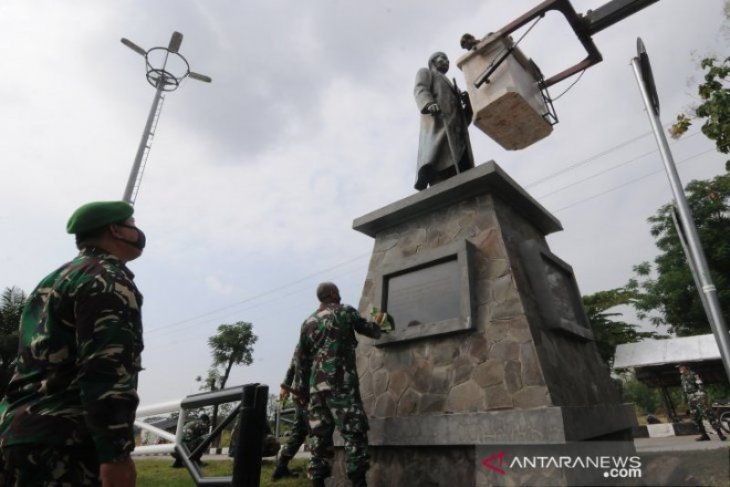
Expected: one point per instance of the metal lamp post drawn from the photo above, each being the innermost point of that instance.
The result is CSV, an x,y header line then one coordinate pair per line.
x,y
684,222
163,80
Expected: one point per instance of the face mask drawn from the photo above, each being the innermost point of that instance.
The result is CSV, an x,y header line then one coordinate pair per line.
x,y
141,239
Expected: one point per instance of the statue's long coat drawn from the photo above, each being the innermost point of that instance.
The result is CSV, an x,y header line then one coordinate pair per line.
x,y
444,138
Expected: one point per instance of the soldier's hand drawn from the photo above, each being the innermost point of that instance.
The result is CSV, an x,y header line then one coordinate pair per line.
x,y
433,109
118,474
283,395
381,319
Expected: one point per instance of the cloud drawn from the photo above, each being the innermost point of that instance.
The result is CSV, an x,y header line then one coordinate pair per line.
x,y
215,285
254,180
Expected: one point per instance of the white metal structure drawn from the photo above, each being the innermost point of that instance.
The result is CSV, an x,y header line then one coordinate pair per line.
x,y
154,410
697,348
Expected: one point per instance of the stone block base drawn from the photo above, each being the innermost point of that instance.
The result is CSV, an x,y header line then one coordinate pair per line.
x,y
440,449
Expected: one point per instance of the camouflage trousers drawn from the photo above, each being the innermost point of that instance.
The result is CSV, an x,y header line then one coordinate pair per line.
x,y
701,410
51,466
328,411
298,433
190,444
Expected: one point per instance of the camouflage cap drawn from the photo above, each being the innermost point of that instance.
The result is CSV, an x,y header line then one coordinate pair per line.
x,y
98,214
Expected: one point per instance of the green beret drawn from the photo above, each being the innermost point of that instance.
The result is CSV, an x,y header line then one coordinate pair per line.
x,y
98,214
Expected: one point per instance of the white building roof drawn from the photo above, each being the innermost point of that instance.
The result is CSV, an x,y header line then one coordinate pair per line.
x,y
672,350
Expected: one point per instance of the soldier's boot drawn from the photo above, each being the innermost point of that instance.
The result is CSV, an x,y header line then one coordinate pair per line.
x,y
358,480
318,482
720,435
281,471
703,433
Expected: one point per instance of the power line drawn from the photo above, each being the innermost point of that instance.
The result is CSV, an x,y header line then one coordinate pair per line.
x,y
630,182
260,295
278,310
621,164
297,291
591,158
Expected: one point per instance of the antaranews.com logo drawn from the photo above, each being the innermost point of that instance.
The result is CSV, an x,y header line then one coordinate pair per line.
x,y
609,466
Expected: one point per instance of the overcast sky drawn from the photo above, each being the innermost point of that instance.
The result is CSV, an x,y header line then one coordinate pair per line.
x,y
254,180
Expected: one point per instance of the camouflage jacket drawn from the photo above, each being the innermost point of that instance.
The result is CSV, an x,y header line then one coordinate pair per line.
x,y
691,384
289,377
79,354
194,432
325,355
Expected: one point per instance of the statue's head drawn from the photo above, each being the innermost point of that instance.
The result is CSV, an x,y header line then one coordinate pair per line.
x,y
439,61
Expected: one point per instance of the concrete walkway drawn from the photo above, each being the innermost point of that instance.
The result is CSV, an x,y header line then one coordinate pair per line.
x,y
678,443
670,443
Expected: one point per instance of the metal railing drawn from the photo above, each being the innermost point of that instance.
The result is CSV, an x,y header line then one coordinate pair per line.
x,y
286,416
251,412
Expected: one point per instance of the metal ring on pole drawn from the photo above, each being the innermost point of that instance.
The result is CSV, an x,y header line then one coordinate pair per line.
x,y
170,82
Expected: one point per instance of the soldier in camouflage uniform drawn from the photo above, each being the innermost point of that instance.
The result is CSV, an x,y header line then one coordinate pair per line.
x,y
298,432
326,379
194,432
69,410
269,445
697,403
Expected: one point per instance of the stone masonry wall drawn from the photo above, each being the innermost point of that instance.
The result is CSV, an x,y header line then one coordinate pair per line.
x,y
573,369
495,366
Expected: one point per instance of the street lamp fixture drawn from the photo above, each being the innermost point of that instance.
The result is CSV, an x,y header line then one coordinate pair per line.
x,y
164,78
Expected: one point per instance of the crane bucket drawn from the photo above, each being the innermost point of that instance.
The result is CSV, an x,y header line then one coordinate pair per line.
x,y
509,107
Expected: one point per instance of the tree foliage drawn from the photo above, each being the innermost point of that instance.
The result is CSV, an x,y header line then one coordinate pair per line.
x,y
714,107
211,381
232,345
648,399
11,307
665,290
609,332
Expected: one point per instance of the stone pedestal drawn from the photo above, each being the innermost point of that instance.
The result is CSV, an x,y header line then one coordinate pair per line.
x,y
515,364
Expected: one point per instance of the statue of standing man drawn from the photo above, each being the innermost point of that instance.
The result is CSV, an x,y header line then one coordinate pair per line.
x,y
443,144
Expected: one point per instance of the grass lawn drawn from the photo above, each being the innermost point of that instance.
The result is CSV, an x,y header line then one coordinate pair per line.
x,y
158,473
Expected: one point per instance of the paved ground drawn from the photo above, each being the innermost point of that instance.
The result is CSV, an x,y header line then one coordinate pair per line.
x,y
670,443
678,443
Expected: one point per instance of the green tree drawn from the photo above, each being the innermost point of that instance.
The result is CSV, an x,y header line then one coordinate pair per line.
x,y
714,106
11,306
231,345
607,331
211,381
646,398
665,290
